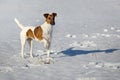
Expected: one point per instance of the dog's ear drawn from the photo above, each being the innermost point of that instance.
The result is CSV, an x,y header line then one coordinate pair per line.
x,y
54,14
46,15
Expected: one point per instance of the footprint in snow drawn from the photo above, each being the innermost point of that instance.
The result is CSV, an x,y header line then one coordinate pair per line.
x,y
70,36
5,69
86,78
85,35
105,35
112,65
104,65
112,28
105,30
118,30
83,44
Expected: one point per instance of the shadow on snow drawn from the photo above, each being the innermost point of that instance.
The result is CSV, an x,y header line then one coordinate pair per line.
x,y
72,52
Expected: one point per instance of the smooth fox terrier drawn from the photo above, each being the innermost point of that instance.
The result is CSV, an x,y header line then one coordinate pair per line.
x,y
41,33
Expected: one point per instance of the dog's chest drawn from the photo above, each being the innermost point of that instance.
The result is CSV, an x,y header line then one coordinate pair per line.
x,y
47,30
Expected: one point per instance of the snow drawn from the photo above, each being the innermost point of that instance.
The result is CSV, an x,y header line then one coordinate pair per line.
x,y
85,44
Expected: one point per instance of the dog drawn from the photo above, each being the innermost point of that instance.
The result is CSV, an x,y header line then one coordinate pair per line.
x,y
42,33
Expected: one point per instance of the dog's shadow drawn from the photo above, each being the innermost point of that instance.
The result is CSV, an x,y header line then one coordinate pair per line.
x,y
72,52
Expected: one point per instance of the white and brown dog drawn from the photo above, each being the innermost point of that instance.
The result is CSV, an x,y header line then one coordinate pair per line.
x,y
41,33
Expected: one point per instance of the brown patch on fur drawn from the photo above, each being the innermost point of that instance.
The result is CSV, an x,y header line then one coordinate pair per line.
x,y
30,34
38,32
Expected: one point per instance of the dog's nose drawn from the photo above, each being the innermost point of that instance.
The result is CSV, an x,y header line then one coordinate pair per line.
x,y
53,23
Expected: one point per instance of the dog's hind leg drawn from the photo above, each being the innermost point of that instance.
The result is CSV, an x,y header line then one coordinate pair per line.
x,y
31,47
22,48
23,40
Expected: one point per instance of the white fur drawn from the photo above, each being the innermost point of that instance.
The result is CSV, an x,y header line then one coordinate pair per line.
x,y
47,34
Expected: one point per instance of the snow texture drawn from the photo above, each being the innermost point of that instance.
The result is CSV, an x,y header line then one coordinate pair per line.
x,y
85,44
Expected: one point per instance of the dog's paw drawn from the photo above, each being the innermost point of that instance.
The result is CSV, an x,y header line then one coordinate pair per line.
x,y
49,60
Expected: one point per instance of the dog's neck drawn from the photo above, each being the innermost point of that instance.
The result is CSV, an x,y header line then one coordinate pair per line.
x,y
45,24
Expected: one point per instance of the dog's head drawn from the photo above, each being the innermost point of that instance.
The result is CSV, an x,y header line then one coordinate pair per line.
x,y
50,18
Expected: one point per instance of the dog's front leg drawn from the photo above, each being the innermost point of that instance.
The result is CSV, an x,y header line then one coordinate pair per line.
x,y
47,46
31,47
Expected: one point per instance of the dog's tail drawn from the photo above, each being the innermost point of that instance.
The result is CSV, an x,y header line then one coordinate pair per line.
x,y
18,23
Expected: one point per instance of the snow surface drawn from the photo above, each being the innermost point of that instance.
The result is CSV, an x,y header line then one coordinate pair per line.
x,y
85,45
